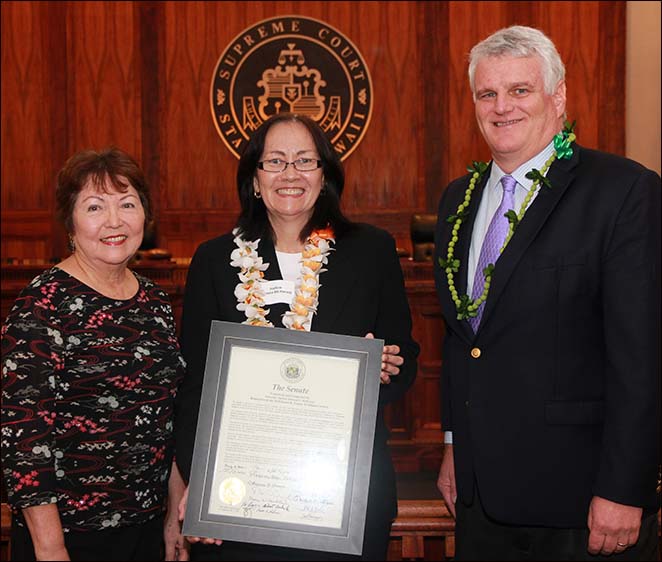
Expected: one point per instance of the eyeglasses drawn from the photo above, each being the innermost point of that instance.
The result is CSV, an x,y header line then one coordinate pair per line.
x,y
300,164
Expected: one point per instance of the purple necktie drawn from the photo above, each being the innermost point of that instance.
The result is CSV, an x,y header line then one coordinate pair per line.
x,y
494,239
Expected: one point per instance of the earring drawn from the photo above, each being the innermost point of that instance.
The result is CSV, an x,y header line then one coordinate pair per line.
x,y
257,194
72,244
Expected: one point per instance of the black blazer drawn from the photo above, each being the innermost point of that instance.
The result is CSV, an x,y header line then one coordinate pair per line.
x,y
563,402
362,291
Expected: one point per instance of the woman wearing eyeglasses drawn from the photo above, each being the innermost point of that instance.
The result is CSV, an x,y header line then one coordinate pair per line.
x,y
314,270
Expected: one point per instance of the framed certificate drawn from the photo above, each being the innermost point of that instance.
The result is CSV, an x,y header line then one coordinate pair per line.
x,y
283,447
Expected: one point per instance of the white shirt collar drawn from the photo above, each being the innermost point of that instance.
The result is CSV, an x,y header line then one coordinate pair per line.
x,y
537,162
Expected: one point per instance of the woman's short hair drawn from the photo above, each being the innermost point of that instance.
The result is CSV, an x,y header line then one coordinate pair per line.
x,y
520,41
88,165
253,221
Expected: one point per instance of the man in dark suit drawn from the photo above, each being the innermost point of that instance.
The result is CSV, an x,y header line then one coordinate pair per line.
x,y
548,275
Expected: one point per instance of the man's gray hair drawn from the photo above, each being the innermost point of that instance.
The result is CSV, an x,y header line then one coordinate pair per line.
x,y
520,41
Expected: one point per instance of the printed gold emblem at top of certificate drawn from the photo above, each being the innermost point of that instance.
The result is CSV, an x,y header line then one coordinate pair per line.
x,y
293,370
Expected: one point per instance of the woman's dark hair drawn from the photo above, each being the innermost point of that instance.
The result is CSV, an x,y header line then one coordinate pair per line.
x,y
89,165
253,221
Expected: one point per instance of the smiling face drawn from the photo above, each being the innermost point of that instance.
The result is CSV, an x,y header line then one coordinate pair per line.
x,y
516,116
108,225
289,195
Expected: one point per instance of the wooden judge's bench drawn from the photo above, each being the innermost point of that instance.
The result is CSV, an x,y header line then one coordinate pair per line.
x,y
424,528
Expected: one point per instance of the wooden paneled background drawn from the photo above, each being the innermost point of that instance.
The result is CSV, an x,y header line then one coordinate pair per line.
x,y
81,75
136,74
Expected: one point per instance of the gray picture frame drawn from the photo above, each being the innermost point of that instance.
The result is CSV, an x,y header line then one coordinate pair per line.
x,y
241,523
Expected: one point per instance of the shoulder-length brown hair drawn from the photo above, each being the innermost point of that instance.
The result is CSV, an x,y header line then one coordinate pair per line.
x,y
88,165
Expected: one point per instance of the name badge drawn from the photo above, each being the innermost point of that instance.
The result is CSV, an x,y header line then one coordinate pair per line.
x,y
278,291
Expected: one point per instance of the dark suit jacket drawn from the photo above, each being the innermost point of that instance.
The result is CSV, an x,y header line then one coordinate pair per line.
x,y
563,402
362,291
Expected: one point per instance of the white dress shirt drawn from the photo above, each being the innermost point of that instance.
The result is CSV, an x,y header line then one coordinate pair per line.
x,y
289,265
492,195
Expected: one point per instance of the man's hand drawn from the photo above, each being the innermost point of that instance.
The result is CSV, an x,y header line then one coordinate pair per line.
x,y
446,479
613,526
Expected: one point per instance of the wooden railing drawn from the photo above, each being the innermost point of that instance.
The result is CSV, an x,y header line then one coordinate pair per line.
x,y
423,530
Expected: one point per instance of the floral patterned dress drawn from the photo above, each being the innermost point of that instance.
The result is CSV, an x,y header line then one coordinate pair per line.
x,y
88,385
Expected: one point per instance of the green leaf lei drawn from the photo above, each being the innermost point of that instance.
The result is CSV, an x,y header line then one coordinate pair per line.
x,y
466,307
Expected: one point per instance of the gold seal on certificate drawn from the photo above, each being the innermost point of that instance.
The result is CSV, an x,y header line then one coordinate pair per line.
x,y
293,369
232,491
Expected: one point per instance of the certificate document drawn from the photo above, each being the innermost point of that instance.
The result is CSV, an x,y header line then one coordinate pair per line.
x,y
284,436
284,442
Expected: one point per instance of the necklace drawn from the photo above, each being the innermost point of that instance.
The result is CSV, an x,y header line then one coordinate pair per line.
x,y
466,306
249,293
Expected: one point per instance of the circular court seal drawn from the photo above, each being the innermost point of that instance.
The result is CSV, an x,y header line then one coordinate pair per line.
x,y
296,64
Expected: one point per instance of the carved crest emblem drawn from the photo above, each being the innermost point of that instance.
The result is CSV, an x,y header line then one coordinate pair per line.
x,y
294,64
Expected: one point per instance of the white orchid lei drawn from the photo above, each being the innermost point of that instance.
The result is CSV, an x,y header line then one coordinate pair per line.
x,y
250,297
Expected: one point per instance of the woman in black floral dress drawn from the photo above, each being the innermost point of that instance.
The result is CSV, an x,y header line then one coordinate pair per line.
x,y
90,369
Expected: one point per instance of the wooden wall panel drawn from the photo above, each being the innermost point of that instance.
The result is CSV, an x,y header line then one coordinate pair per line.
x,y
384,172
581,64
137,74
34,131
428,332
69,82
433,80
26,233
150,18
33,134
611,89
103,97
198,169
